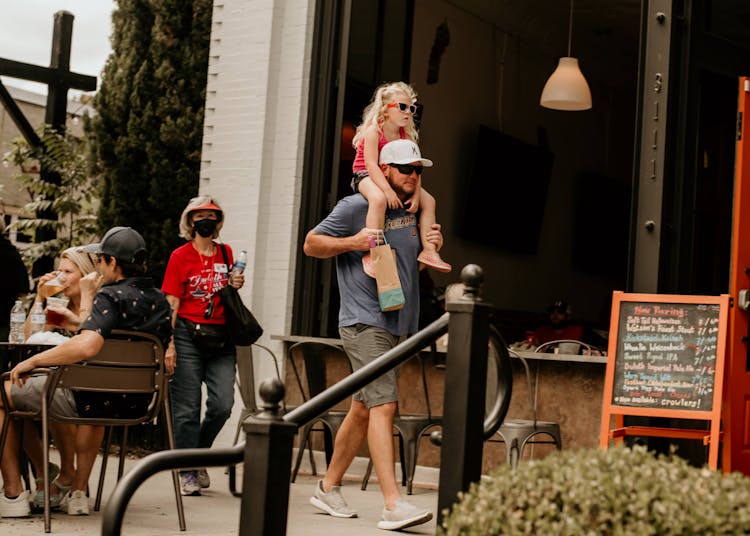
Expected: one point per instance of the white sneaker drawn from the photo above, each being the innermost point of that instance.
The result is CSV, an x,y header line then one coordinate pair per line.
x,y
204,480
18,507
76,503
332,503
189,483
403,515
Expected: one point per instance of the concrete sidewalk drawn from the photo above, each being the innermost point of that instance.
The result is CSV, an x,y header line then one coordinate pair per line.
x,y
152,510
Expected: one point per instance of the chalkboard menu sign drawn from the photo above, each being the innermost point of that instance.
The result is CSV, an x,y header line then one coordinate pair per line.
x,y
665,359
666,355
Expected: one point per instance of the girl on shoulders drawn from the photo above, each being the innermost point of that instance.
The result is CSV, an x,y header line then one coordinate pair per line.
x,y
388,117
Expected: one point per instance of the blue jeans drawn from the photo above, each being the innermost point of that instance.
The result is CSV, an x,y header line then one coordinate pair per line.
x,y
194,367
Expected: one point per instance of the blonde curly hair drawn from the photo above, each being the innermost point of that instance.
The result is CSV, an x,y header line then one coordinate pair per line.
x,y
374,113
186,222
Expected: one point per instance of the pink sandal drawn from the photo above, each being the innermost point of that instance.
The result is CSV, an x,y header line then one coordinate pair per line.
x,y
433,260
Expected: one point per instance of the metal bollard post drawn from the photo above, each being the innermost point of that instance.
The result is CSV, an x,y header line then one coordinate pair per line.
x,y
268,459
465,385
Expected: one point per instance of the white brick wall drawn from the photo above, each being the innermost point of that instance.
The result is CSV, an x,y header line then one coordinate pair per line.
x,y
256,112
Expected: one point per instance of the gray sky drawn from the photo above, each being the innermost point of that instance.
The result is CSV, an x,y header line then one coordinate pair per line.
x,y
26,35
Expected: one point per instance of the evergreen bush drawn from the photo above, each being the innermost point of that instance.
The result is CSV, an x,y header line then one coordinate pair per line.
x,y
146,137
616,491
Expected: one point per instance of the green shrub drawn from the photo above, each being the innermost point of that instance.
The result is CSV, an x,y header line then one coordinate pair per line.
x,y
592,491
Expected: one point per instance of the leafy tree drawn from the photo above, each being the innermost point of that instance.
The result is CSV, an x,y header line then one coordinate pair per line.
x,y
72,200
147,136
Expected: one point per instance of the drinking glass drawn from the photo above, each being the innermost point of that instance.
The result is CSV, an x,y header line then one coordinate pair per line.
x,y
53,317
51,287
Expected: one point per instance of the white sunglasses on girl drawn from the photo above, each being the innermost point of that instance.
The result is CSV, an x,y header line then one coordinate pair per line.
x,y
404,107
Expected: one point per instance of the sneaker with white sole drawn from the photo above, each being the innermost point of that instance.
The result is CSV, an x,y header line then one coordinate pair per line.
x,y
55,501
37,499
403,515
189,483
204,480
18,507
332,503
76,503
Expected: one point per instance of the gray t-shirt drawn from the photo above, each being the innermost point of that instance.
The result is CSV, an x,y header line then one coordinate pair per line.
x,y
359,293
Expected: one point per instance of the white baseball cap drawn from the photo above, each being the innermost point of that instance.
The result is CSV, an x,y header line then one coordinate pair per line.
x,y
402,152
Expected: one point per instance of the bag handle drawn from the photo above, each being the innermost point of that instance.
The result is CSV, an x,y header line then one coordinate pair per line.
x,y
226,263
224,254
380,232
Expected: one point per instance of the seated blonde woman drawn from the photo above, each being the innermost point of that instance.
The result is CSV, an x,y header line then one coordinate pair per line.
x,y
75,265
79,281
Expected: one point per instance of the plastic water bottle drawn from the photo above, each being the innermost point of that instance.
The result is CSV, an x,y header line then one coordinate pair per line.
x,y
240,262
17,320
38,318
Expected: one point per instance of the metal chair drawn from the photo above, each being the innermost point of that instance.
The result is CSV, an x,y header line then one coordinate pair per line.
x,y
315,366
498,390
10,355
128,363
245,382
516,433
410,428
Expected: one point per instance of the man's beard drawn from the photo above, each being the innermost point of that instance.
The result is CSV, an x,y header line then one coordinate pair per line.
x,y
402,194
400,191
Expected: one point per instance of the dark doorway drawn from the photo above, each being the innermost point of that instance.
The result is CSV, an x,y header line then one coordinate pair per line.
x,y
714,182
377,35
709,53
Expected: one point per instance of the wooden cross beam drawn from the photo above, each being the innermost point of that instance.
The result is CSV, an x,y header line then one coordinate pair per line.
x,y
47,75
28,132
58,78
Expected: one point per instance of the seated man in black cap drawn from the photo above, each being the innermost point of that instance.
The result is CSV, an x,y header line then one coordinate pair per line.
x,y
559,325
126,300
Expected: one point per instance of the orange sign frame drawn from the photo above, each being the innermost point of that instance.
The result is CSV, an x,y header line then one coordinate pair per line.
x,y
736,453
618,412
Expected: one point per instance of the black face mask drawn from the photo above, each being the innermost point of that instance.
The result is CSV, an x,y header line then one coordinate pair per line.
x,y
205,228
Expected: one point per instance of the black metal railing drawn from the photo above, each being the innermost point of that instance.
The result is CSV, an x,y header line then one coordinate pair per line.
x,y
323,402
267,450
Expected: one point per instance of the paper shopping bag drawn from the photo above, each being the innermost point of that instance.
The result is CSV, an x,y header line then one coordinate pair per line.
x,y
390,294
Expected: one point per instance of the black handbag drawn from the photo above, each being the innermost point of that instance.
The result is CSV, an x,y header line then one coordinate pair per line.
x,y
243,328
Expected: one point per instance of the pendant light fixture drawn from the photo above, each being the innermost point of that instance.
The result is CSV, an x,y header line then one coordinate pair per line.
x,y
566,88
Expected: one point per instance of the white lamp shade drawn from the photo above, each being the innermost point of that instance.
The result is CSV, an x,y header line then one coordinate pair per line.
x,y
566,89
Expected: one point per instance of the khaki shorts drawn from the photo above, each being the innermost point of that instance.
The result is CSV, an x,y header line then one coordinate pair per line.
x,y
29,398
363,344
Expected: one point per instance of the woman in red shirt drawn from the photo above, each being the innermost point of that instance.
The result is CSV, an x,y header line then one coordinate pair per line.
x,y
200,351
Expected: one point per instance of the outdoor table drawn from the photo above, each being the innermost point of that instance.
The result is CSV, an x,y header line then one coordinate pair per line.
x,y
12,353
